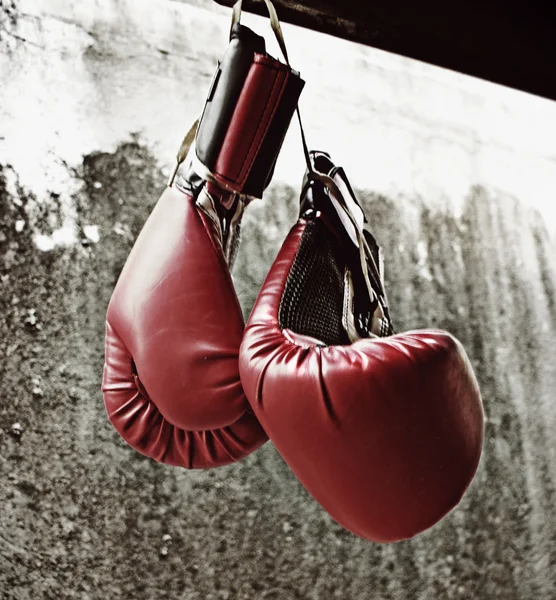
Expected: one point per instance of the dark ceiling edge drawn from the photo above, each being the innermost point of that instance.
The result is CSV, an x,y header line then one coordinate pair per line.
x,y
505,49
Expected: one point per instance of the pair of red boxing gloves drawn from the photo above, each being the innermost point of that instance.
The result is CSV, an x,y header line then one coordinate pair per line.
x,y
384,430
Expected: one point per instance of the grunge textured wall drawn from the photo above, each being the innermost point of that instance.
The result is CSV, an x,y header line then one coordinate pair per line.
x,y
458,177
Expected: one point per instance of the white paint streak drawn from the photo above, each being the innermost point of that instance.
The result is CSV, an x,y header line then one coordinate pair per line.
x,y
423,261
65,236
92,233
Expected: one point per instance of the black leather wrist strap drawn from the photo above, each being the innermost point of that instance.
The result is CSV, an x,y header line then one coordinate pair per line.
x,y
277,29
194,131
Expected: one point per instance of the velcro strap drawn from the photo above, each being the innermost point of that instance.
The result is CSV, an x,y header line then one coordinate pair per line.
x,y
246,116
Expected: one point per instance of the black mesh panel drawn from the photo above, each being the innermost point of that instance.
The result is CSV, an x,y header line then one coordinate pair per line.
x,y
312,301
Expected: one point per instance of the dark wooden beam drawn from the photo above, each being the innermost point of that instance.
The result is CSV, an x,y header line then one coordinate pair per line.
x,y
508,42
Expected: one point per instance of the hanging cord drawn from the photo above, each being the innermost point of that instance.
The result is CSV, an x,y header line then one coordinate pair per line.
x,y
365,254
277,29
184,149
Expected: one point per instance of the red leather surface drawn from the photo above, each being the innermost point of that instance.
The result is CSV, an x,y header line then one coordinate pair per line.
x,y
175,315
386,434
258,101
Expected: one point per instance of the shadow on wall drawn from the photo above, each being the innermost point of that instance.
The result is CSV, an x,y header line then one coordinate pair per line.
x,y
86,517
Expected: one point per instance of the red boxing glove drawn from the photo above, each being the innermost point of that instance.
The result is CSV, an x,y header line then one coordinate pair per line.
x,y
174,324
173,329
385,431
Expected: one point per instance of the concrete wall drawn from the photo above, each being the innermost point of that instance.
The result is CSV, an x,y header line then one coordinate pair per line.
x,y
459,178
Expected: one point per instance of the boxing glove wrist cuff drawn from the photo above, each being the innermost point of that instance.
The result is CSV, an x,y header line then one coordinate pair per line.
x,y
223,208
247,113
246,116
345,279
